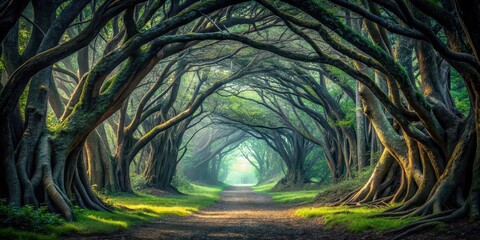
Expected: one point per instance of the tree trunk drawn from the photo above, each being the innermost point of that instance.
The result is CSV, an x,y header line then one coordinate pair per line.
x,y
360,133
99,163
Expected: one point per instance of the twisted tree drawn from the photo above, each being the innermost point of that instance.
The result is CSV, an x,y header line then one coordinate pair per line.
x,y
394,60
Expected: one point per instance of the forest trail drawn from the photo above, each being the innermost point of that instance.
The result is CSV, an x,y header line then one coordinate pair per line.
x,y
240,214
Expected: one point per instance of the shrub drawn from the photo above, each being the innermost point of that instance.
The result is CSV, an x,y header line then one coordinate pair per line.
x,y
182,184
138,182
26,217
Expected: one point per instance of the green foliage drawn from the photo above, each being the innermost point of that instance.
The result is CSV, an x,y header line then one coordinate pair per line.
x,y
14,234
316,167
237,170
459,93
355,219
182,184
129,209
348,121
24,33
244,110
23,102
320,192
26,218
348,107
138,182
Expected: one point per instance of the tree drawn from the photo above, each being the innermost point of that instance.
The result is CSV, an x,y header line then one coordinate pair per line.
x,y
429,132
57,169
395,60
208,154
263,159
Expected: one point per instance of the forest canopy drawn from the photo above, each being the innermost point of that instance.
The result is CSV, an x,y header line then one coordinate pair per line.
x,y
95,93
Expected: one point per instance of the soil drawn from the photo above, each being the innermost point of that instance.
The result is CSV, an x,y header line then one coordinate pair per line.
x,y
244,214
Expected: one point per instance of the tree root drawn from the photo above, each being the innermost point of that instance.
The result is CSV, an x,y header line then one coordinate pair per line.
x,y
394,214
429,221
416,229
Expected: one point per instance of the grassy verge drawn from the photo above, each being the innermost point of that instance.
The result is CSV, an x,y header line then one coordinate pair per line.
x,y
309,192
298,196
356,219
129,210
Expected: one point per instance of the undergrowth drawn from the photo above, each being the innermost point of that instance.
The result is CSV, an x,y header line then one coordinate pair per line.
x,y
311,192
355,219
26,217
129,209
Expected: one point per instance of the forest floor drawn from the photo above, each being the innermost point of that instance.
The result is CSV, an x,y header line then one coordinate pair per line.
x,y
245,214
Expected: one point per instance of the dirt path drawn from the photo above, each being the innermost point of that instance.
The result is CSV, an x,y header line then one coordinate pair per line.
x,y
244,214
240,214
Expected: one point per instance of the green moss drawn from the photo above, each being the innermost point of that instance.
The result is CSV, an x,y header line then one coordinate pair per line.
x,y
459,93
354,219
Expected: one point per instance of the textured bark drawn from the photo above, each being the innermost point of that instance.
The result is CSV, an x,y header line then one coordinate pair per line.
x,y
99,162
431,146
339,141
293,149
45,167
161,164
11,11
360,133
59,168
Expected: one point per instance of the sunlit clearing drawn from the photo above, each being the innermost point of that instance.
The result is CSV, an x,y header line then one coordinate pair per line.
x,y
240,172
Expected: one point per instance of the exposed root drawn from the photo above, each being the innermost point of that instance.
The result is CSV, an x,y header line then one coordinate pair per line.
x,y
60,203
394,214
429,221
379,202
440,214
336,201
417,229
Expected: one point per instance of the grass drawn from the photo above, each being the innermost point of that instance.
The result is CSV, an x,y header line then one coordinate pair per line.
x,y
356,219
130,209
300,196
309,192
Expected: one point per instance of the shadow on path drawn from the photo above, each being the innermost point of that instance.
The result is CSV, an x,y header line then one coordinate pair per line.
x,y
240,214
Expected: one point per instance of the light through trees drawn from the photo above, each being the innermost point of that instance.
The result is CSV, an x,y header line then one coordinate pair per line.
x,y
239,171
301,92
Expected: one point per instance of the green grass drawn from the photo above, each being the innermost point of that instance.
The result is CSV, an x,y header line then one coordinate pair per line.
x,y
129,210
309,192
264,188
297,196
356,219
294,196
